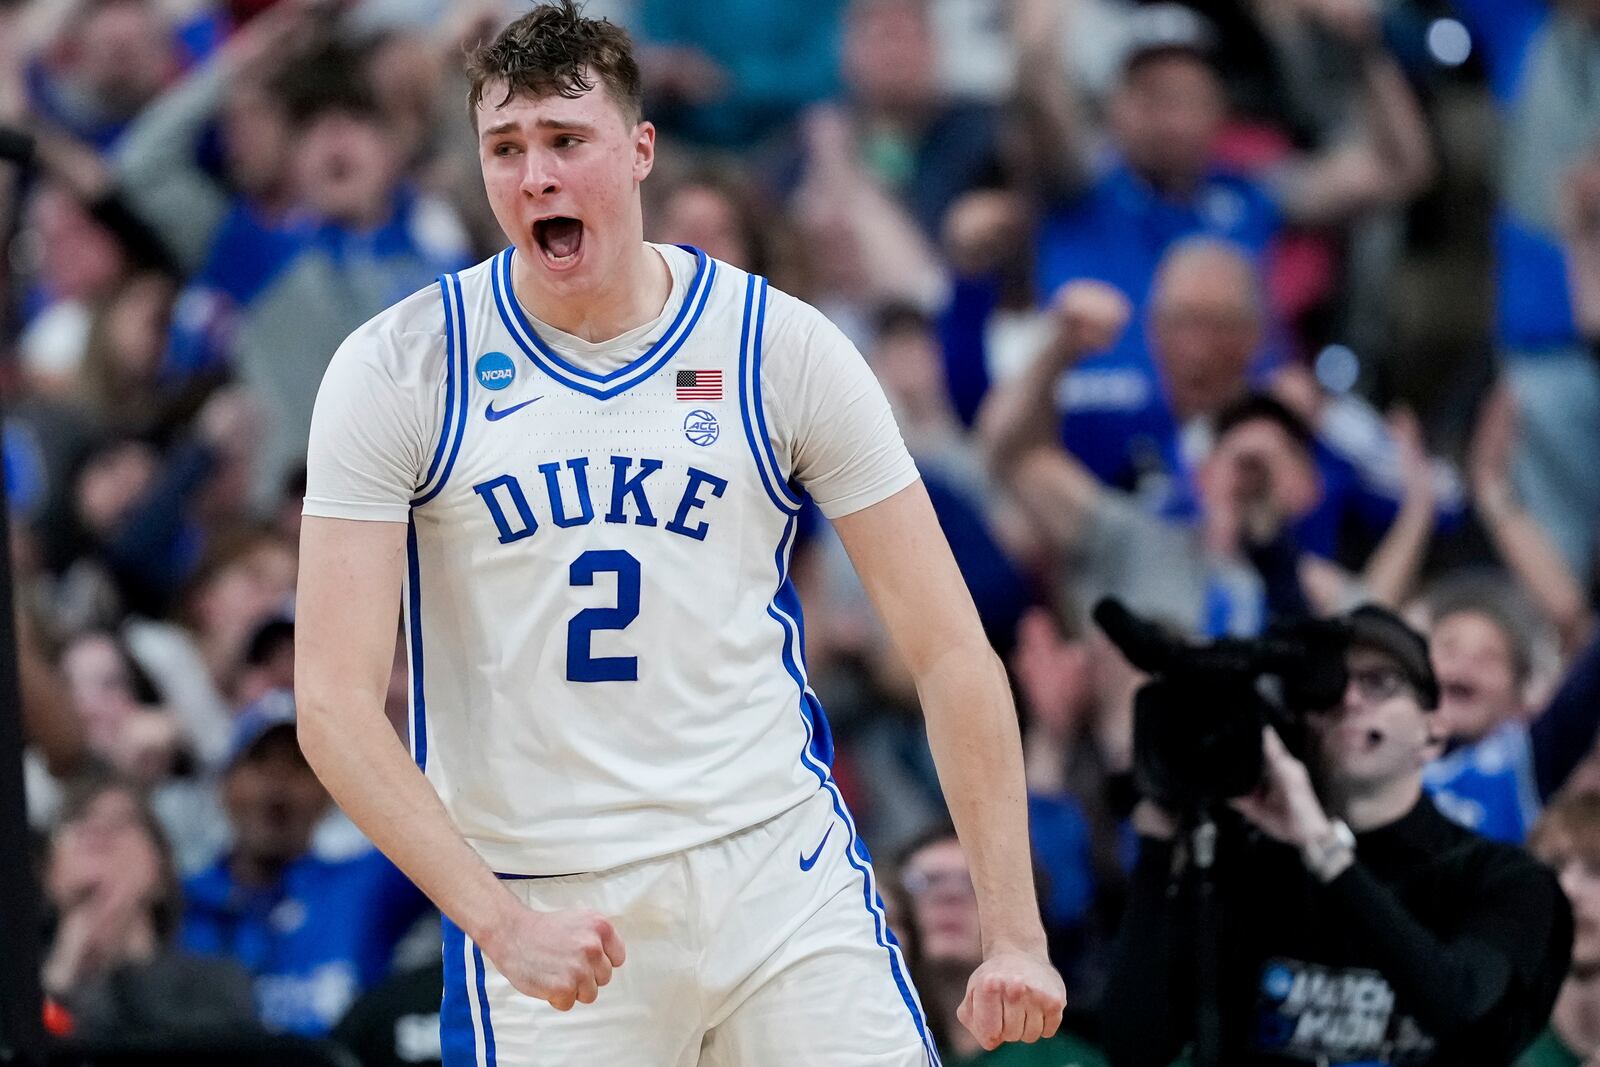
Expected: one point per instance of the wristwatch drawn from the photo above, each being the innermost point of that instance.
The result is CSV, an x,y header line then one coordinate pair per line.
x,y
1329,854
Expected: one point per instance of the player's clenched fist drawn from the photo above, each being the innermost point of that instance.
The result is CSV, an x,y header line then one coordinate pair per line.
x,y
1089,316
563,957
1013,996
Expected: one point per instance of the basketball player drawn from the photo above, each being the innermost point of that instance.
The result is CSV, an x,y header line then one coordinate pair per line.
x,y
582,462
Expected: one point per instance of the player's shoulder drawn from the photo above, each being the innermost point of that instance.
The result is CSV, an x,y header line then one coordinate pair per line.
x,y
419,315
795,329
405,342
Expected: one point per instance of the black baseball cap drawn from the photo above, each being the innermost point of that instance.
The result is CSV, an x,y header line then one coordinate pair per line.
x,y
1371,626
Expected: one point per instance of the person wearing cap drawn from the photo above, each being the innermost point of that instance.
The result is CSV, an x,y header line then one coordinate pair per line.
x,y
1356,924
312,930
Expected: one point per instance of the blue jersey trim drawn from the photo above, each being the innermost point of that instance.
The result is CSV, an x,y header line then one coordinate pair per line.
x,y
816,733
449,385
795,500
603,386
453,292
419,708
457,1044
483,1006
749,408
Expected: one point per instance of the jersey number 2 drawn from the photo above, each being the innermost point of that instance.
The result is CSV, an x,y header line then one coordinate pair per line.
x,y
581,666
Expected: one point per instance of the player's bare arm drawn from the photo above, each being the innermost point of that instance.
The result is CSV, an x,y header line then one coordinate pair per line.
x,y
906,566
346,608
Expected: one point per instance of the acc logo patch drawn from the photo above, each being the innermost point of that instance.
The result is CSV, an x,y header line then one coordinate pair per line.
x,y
495,370
700,427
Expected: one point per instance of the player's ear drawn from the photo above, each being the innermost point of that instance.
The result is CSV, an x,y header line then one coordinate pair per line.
x,y
644,150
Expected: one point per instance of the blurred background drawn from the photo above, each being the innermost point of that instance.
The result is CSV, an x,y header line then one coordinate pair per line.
x,y
1359,245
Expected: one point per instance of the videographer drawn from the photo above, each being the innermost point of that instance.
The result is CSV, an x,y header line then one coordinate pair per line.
x,y
1352,923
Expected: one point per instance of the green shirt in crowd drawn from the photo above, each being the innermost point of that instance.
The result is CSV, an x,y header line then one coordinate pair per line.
x,y
1548,1050
1063,1050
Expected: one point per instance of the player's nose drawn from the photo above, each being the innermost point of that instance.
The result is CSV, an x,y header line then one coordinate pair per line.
x,y
539,178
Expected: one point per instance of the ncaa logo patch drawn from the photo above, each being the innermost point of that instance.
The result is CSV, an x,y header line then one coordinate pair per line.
x,y
495,370
700,427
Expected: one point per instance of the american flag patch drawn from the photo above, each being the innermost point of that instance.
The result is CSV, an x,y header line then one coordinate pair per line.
x,y
700,385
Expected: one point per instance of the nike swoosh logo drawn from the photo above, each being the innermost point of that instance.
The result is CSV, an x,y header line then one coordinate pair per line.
x,y
808,862
495,416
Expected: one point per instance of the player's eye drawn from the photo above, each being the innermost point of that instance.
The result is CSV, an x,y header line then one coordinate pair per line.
x,y
566,140
504,148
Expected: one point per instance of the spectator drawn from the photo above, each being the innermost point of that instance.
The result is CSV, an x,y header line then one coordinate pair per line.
x,y
147,517
81,264
125,727
166,163
942,913
922,147
130,731
1113,221
1242,562
717,211
1567,839
1400,938
112,962
108,60
1506,762
1523,543
121,383
197,660
313,932
730,72
1206,322
273,304
1551,126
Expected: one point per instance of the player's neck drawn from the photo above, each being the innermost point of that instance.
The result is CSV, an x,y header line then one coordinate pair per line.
x,y
629,299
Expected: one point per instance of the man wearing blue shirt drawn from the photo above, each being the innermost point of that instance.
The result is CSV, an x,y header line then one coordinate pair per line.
x,y
1505,763
1114,217
313,932
1545,57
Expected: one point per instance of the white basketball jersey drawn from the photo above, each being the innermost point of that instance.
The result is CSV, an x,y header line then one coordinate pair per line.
x,y
605,646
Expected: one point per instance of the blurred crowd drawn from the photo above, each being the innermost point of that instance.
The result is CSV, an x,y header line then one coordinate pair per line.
x,y
1238,310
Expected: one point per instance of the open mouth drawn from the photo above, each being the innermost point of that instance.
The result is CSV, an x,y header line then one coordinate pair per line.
x,y
560,239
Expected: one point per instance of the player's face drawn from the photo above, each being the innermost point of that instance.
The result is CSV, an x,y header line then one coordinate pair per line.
x,y
563,178
1477,684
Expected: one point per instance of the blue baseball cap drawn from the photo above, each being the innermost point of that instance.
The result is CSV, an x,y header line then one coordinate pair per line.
x,y
261,717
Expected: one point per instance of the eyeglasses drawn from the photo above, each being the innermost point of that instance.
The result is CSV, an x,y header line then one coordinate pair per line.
x,y
917,882
1377,684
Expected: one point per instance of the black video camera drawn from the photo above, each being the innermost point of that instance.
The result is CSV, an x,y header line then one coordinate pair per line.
x,y
1197,723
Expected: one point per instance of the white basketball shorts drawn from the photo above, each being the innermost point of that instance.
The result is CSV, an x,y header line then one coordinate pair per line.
x,y
767,948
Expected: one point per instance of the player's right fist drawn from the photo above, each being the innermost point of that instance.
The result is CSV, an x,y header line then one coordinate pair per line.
x,y
1089,316
563,957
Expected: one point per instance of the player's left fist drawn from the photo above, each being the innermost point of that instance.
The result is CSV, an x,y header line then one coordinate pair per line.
x,y
1013,996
